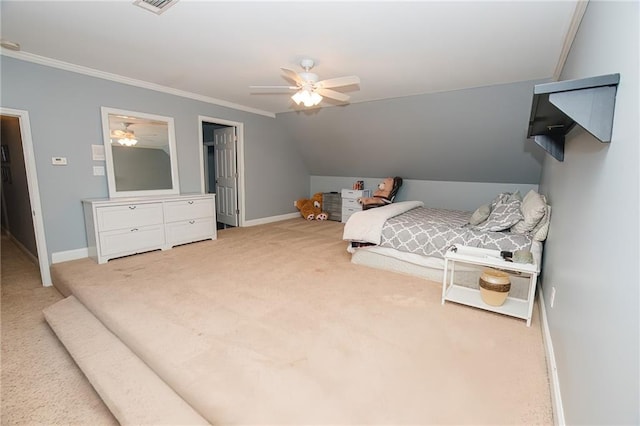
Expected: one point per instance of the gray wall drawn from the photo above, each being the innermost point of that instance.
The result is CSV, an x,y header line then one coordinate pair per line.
x,y
471,135
437,194
591,254
16,211
64,110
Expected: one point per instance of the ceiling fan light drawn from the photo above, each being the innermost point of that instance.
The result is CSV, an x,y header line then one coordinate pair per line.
x,y
316,98
128,141
297,97
307,98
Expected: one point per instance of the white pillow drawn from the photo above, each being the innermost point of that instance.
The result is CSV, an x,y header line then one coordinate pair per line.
x,y
533,209
541,230
503,216
480,215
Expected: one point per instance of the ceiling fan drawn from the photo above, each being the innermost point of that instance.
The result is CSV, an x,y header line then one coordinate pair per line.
x,y
126,136
309,90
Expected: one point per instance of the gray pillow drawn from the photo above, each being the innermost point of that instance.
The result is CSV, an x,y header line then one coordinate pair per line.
x,y
503,196
515,196
504,215
480,215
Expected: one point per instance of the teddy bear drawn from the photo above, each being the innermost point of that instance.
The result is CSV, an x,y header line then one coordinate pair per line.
x,y
380,196
311,209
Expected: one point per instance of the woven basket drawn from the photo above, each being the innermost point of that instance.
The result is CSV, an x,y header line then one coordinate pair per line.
x,y
494,286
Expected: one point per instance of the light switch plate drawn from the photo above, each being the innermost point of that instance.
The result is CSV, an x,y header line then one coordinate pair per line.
x,y
97,152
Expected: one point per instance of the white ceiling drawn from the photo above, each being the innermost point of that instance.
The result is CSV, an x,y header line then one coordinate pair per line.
x,y
218,49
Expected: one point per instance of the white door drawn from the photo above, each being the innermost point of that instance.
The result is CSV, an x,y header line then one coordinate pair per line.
x,y
226,172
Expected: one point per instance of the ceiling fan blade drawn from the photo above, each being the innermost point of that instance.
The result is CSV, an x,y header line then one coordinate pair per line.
x,y
339,81
292,75
333,94
274,87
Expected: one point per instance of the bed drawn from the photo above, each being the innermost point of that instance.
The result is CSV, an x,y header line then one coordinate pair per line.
x,y
410,238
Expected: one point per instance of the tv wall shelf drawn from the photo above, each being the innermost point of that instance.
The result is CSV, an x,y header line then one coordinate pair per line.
x,y
558,106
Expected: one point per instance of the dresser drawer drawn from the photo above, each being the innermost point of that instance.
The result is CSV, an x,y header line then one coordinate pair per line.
x,y
130,216
187,231
350,210
175,211
351,203
355,193
347,212
132,240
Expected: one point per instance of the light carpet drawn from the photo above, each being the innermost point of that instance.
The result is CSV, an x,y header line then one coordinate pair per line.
x,y
40,383
274,325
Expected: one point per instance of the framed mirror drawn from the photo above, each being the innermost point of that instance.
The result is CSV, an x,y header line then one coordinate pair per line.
x,y
140,153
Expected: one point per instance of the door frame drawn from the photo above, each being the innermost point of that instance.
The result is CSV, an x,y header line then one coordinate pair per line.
x,y
239,158
34,191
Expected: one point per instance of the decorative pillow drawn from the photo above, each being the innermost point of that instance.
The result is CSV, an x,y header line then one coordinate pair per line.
x,y
480,215
533,209
503,196
541,230
503,216
515,196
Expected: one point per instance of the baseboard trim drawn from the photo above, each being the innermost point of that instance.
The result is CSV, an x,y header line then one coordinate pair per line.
x,y
552,368
271,219
32,258
65,256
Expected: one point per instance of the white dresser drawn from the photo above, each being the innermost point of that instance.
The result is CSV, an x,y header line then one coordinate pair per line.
x,y
122,226
350,203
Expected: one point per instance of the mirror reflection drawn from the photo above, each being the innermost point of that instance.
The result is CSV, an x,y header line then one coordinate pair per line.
x,y
140,153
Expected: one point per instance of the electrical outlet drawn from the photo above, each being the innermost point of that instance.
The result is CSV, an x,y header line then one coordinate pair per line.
x,y
552,297
59,161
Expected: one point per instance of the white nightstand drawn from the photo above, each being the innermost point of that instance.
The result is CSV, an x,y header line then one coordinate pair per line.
x,y
350,203
514,307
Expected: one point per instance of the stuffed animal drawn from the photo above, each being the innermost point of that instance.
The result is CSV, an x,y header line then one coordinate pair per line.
x,y
381,195
311,208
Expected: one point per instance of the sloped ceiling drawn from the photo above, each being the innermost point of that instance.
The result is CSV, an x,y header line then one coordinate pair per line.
x,y
216,50
469,135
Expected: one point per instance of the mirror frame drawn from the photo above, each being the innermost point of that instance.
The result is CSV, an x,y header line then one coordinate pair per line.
x,y
108,155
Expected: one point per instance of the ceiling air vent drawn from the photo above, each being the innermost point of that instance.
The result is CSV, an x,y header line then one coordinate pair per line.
x,y
155,6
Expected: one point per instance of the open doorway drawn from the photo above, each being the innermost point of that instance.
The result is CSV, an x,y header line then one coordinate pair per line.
x,y
21,210
222,168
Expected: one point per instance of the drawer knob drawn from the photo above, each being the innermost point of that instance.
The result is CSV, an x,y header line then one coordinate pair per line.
x,y
134,229
190,202
132,207
192,222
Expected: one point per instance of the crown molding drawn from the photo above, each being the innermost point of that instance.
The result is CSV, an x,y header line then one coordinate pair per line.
x,y
54,63
578,14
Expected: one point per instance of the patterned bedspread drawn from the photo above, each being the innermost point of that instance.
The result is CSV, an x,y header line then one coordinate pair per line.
x,y
430,232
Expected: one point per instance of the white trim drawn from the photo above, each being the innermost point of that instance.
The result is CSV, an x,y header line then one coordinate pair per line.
x,y
34,191
271,219
240,157
578,14
30,57
552,368
67,255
